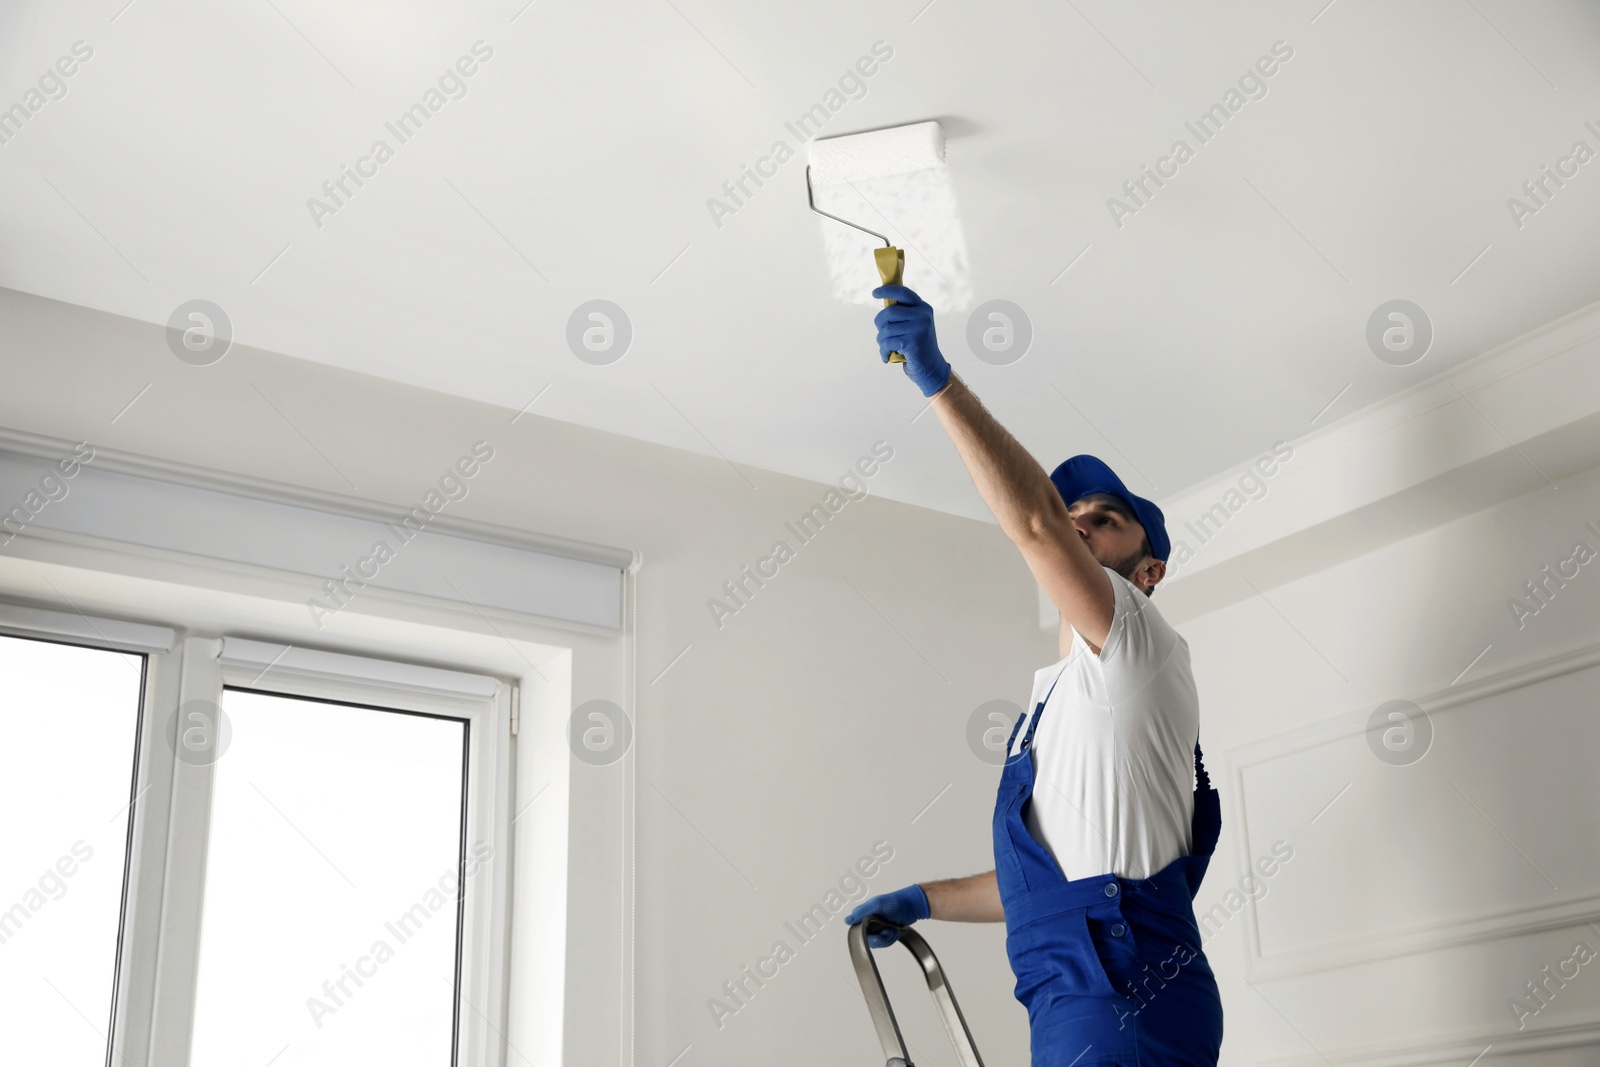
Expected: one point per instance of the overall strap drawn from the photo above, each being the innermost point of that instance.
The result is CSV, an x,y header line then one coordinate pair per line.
x,y
1201,777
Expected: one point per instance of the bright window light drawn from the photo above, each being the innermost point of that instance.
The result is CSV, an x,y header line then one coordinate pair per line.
x,y
329,933
70,718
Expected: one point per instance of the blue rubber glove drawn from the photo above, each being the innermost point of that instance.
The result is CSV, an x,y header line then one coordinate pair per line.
x,y
906,326
902,907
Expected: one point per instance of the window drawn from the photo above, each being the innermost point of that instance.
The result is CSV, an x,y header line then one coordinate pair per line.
x,y
225,851
331,925
70,719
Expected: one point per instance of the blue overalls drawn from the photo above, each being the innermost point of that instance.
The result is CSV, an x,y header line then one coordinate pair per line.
x,y
1111,969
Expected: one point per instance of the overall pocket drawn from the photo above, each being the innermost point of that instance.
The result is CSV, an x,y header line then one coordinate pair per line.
x,y
1055,956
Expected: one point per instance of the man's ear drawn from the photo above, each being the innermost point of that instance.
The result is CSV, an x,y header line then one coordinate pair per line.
x,y
1150,572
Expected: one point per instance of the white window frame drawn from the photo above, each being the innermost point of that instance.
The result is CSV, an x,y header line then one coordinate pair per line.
x,y
158,953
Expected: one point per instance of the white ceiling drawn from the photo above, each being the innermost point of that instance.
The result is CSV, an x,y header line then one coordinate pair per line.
x,y
1228,313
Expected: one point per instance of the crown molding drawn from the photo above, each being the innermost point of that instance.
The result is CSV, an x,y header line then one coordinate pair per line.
x,y
1516,419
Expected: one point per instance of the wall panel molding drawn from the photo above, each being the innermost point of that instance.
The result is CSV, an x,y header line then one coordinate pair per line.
x,y
1573,909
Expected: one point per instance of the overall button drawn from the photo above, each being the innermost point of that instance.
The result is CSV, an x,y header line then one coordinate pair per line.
x,y
1111,889
1118,930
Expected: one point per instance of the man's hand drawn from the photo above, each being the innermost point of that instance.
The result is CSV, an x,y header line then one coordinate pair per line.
x,y
902,907
906,326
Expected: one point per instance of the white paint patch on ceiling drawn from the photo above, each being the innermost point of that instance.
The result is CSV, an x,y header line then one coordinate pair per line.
x,y
917,211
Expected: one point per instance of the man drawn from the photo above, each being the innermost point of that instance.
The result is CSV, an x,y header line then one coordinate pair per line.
x,y
1101,834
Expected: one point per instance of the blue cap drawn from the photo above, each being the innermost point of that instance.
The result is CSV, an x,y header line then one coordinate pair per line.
x,y
1082,475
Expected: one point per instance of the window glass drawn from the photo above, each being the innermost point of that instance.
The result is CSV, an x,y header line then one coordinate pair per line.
x,y
330,926
70,719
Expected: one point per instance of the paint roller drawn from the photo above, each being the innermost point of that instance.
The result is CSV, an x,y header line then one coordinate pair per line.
x,y
857,157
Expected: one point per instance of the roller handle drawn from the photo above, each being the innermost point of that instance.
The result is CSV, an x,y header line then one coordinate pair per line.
x,y
891,263
895,1052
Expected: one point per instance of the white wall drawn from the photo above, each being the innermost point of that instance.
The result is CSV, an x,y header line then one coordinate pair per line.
x,y
1470,869
829,712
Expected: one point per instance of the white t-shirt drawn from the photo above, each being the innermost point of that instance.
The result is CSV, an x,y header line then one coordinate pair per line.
x,y
1114,751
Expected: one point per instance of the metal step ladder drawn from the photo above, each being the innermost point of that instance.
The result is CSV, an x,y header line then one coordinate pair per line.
x,y
883,1020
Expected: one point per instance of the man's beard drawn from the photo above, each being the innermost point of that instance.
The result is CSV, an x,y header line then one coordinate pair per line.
x,y
1127,567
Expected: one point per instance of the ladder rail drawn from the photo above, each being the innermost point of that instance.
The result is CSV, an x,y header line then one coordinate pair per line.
x,y
890,1038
